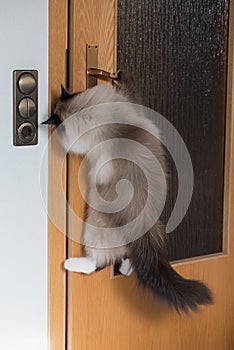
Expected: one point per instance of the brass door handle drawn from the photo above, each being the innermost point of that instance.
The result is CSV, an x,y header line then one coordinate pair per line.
x,y
92,72
101,74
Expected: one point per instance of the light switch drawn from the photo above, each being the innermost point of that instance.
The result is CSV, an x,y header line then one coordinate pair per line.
x,y
26,132
27,83
25,107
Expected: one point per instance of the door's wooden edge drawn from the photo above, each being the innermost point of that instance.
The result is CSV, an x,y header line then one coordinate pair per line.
x,y
229,137
58,16
115,41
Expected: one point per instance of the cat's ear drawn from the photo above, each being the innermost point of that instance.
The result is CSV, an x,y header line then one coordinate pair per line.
x,y
64,93
53,120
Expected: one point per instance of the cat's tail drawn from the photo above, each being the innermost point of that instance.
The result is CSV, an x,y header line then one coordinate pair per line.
x,y
155,274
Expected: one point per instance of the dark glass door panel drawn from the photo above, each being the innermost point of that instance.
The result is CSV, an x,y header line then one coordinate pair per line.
x,y
177,51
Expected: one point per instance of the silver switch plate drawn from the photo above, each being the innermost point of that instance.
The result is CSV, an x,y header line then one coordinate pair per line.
x,y
25,107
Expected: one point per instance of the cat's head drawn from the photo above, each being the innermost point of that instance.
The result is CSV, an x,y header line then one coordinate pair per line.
x,y
77,114
68,104
65,106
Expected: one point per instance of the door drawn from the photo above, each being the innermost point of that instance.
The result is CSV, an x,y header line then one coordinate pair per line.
x,y
104,311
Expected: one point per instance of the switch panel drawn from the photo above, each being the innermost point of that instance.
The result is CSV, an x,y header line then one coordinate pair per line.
x,y
25,107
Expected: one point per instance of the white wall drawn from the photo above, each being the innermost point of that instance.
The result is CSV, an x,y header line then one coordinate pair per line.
x,y
23,220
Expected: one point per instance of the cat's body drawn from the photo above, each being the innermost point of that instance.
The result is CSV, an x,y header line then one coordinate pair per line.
x,y
119,142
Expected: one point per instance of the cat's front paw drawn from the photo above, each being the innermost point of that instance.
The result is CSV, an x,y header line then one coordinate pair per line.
x,y
83,265
126,267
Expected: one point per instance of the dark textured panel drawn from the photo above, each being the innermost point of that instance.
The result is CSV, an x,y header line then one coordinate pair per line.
x,y
178,53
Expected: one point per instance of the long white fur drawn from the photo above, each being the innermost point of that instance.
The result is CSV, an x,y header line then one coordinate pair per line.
x,y
91,110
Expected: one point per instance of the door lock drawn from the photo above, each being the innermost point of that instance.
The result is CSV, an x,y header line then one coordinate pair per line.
x,y
25,107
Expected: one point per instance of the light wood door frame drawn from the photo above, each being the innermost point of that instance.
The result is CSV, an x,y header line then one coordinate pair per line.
x,y
215,269
58,43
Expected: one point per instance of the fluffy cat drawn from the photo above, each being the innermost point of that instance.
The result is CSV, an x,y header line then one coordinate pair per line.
x,y
95,123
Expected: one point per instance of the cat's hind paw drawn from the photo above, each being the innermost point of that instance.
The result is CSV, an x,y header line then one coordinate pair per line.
x,y
84,265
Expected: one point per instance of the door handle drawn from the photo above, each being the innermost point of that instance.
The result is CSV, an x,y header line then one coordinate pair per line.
x,y
92,71
102,74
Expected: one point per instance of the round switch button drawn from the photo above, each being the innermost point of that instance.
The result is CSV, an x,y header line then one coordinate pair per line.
x,y
26,132
27,83
27,107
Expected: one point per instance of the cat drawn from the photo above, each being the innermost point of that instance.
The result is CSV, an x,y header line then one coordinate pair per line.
x,y
95,123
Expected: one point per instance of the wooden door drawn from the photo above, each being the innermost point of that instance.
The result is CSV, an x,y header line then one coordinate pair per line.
x,y
106,312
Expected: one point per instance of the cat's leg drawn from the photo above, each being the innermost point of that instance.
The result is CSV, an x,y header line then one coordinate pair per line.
x,y
86,265
126,268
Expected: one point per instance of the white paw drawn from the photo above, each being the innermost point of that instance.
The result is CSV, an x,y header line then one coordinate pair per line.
x,y
126,267
83,265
